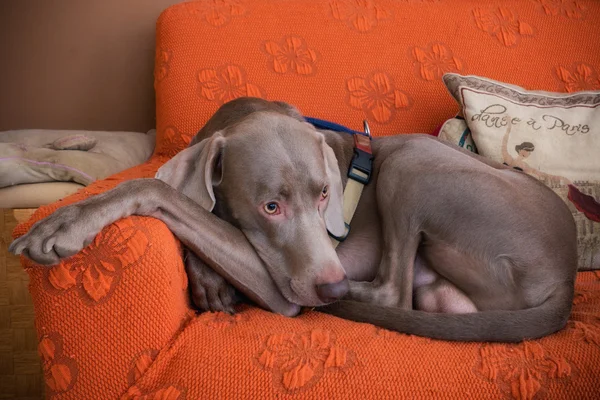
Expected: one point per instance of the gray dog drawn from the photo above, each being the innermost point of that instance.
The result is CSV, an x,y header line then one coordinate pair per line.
x,y
443,244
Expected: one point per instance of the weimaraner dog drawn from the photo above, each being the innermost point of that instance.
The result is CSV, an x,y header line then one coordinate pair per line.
x,y
444,243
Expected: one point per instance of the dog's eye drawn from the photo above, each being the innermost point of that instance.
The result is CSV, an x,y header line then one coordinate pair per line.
x,y
271,208
325,192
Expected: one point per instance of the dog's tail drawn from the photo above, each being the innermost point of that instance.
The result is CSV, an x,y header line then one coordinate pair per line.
x,y
485,326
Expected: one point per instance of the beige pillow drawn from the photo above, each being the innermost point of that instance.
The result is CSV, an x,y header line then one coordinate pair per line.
x,y
456,131
49,155
554,137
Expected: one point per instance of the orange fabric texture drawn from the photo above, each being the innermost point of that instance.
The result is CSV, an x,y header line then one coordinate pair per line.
x,y
347,60
114,321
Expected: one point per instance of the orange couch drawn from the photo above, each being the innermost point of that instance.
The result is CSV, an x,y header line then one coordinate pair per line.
x,y
115,322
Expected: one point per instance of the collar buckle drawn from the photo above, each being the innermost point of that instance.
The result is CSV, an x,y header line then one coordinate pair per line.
x,y
362,163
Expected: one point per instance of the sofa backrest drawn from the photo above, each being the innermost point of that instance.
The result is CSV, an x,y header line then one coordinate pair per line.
x,y
347,60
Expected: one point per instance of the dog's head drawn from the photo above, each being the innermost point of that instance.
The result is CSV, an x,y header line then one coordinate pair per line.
x,y
275,178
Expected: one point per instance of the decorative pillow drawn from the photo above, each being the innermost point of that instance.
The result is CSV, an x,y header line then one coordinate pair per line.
x,y
37,155
455,130
554,137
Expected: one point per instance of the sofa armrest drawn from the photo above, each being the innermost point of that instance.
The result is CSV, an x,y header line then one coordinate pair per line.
x,y
123,296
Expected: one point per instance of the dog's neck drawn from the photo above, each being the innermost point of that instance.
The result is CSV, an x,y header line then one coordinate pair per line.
x,y
343,148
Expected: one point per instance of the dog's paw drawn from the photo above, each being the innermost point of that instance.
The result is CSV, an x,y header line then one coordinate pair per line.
x,y
60,235
210,292
214,297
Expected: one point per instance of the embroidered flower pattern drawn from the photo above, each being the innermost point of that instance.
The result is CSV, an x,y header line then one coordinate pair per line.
x,y
361,15
60,371
586,332
502,24
170,392
173,141
216,12
298,361
432,62
96,271
161,64
521,371
377,96
291,54
584,295
226,83
578,77
140,364
573,9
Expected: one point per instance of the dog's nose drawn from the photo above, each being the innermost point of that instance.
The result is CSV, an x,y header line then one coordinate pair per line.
x,y
329,292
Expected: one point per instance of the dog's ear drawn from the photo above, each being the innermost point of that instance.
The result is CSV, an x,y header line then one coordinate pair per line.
x,y
196,170
334,215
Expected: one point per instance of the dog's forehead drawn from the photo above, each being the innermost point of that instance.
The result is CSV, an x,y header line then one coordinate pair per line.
x,y
268,124
276,149
277,138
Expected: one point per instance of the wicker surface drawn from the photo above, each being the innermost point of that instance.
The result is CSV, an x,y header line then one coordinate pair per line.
x,y
20,371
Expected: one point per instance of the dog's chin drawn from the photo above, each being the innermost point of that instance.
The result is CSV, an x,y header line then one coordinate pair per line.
x,y
291,290
291,294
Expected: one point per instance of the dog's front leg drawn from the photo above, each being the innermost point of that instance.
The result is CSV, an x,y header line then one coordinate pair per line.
x,y
222,246
393,284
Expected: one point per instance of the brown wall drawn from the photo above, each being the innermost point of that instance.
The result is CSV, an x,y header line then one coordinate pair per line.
x,y
78,64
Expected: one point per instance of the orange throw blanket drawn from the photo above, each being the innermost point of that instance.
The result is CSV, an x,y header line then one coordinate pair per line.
x,y
114,321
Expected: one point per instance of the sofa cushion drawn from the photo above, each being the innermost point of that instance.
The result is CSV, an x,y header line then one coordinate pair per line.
x,y
118,313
